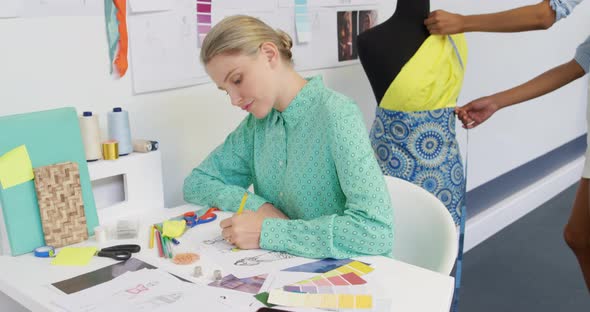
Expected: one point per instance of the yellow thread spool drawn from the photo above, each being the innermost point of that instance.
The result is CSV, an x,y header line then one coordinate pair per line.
x,y
110,150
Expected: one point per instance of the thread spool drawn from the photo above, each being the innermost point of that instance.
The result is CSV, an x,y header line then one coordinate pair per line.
x,y
90,136
100,233
198,272
119,130
110,150
155,145
142,146
217,275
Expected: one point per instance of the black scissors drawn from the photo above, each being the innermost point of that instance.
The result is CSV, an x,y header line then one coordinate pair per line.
x,y
119,252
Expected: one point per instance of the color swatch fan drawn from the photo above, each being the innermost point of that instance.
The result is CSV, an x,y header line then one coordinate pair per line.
x,y
61,206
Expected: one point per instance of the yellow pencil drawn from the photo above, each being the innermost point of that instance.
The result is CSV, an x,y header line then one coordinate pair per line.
x,y
152,237
244,198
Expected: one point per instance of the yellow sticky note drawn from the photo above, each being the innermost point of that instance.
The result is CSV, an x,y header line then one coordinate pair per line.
x,y
74,256
15,167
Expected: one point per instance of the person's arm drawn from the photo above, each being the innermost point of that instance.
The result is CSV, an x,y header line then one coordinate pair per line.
x,y
530,17
366,225
478,111
223,177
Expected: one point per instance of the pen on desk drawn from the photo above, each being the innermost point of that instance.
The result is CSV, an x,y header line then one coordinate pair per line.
x,y
170,251
159,243
244,198
151,236
164,250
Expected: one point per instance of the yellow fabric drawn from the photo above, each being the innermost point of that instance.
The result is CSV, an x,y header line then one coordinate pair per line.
x,y
431,79
173,228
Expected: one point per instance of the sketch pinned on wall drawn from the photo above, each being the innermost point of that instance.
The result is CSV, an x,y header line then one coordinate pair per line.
x,y
249,6
143,6
11,8
44,8
164,53
328,3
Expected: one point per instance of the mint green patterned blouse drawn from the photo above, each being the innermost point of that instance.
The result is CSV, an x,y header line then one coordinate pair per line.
x,y
314,162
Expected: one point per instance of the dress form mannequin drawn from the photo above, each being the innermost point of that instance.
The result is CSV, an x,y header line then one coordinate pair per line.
x,y
416,79
383,59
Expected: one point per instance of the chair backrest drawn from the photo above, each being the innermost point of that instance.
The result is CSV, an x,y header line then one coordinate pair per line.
x,y
424,232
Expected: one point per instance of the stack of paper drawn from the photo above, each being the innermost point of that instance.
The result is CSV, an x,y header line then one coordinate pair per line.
x,y
154,290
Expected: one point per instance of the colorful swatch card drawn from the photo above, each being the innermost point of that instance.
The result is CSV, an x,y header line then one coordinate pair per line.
x,y
203,19
323,301
356,267
326,285
302,23
321,266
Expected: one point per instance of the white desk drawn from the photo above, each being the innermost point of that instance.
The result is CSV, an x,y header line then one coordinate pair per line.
x,y
28,279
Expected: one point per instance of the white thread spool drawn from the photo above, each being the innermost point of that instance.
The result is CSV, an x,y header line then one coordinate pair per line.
x,y
119,130
100,233
90,136
142,146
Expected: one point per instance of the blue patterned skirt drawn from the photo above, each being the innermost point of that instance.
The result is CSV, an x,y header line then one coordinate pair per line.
x,y
421,147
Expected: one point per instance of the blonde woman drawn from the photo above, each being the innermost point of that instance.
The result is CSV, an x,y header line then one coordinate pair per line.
x,y
318,191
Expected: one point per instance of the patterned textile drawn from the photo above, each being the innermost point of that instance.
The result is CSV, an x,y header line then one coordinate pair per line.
x,y
420,147
60,204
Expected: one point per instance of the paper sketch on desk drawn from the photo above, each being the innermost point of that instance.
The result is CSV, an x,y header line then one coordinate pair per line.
x,y
270,256
219,244
152,290
246,263
250,285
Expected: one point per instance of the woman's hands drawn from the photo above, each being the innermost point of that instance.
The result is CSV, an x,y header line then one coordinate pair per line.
x,y
476,112
244,230
444,23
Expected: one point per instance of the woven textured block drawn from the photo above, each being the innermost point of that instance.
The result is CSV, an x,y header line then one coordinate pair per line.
x,y
60,204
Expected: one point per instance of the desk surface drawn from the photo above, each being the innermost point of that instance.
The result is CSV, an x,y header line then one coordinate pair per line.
x,y
28,279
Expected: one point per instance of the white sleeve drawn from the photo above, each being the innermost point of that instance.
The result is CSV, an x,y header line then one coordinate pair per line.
x,y
563,8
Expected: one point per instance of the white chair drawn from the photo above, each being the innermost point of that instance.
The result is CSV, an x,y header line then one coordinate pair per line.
x,y
424,232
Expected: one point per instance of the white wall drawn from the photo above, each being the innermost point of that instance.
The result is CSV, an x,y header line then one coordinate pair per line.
x,y
62,61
